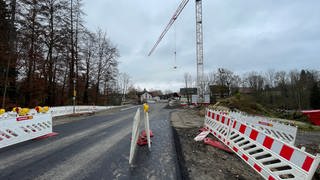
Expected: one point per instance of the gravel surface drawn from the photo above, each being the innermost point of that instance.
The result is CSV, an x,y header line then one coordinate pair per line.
x,y
311,141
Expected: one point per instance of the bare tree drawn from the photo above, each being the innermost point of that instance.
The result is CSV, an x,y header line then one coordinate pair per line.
x,y
296,88
124,83
255,81
7,50
89,53
224,77
105,64
270,78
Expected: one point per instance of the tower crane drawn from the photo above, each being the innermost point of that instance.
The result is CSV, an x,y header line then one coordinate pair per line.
x,y
199,39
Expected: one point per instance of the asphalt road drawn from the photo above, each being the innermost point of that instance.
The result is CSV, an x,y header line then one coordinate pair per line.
x,y
95,147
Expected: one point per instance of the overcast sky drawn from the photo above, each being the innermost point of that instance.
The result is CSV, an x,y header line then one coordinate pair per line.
x,y
240,35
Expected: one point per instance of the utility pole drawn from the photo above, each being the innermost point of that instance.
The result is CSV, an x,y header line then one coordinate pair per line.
x,y
74,95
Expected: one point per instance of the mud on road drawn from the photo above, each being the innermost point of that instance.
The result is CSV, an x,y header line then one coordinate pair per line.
x,y
200,161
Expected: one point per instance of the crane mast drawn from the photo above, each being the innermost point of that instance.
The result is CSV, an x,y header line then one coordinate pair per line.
x,y
199,40
199,51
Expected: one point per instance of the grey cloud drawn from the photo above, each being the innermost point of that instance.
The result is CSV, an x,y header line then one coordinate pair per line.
x,y
241,35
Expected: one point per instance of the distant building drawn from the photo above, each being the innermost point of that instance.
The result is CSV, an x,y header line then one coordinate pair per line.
x,y
219,91
145,97
188,91
156,98
246,90
156,93
173,96
187,94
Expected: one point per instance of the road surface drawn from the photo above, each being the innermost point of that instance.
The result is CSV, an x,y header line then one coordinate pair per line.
x,y
95,147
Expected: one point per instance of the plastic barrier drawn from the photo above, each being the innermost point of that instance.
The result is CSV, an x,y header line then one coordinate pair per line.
x,y
202,135
218,125
270,157
14,130
23,124
273,128
135,132
134,135
66,110
313,116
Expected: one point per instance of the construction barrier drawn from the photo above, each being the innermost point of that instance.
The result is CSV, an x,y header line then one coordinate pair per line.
x,y
66,110
269,126
18,129
23,124
135,136
313,116
272,158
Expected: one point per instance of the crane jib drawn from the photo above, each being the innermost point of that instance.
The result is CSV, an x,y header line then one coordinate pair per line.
x,y
174,17
199,40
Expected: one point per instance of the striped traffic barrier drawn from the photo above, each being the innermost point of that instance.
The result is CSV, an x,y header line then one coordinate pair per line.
x,y
24,124
269,126
271,157
18,129
68,110
136,138
217,124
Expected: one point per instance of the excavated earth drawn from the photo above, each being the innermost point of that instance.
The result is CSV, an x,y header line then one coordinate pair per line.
x,y
200,161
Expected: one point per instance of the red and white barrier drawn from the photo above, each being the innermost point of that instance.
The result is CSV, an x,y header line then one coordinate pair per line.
x,y
202,135
269,126
67,110
14,130
272,158
218,125
136,133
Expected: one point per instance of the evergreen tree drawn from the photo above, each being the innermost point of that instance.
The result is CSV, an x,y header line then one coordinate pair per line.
x,y
7,58
315,96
